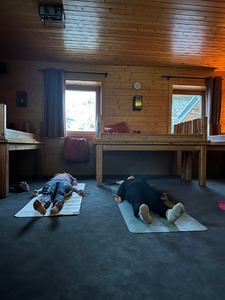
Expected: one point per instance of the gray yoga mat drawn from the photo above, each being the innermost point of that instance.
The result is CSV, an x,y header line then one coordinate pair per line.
x,y
136,225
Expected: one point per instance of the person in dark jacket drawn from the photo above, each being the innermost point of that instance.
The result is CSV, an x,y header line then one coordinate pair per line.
x,y
143,198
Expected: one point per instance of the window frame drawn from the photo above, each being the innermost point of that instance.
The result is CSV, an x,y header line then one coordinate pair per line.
x,y
192,87
86,87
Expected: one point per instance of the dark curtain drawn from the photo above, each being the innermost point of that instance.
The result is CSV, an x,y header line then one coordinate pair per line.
x,y
213,99
54,103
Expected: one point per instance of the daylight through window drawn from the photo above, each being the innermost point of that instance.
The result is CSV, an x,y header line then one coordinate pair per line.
x,y
80,110
185,108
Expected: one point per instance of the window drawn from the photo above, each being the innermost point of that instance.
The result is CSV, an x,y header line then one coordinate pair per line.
x,y
185,108
188,103
82,105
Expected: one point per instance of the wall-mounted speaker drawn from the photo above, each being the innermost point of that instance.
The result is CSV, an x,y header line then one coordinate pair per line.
x,y
21,99
2,67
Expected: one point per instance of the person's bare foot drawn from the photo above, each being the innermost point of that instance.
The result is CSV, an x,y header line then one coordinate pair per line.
x,y
37,205
56,208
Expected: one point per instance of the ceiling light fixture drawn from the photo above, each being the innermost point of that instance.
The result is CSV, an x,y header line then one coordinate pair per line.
x,y
52,15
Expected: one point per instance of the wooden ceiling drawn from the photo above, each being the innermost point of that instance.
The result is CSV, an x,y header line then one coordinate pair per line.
x,y
175,33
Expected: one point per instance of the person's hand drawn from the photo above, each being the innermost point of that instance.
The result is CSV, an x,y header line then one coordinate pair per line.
x,y
81,193
35,193
164,197
117,198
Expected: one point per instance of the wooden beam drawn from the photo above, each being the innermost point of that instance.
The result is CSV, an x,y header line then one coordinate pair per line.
x,y
4,170
99,128
40,161
151,148
178,162
99,164
204,128
188,175
2,120
15,147
202,166
183,164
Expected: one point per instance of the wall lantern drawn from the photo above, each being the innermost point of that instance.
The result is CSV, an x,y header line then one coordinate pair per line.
x,y
21,99
52,15
137,102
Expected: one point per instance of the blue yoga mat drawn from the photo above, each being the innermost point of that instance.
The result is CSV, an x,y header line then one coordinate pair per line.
x,y
136,225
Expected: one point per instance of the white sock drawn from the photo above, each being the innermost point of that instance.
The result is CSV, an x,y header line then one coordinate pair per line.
x,y
144,214
119,182
175,213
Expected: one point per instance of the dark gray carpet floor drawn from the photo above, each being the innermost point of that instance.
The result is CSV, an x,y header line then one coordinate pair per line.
x,y
94,256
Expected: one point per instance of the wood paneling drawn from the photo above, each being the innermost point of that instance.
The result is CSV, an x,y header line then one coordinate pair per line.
x,y
173,33
117,107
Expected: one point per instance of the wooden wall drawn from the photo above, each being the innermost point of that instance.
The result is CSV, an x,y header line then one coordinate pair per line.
x,y
119,92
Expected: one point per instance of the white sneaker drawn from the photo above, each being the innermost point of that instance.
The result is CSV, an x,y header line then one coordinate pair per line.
x,y
144,214
175,213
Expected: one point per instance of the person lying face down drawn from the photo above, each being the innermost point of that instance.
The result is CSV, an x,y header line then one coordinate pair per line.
x,y
55,191
144,197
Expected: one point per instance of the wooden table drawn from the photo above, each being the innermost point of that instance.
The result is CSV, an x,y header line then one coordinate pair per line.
x,y
186,143
5,147
14,140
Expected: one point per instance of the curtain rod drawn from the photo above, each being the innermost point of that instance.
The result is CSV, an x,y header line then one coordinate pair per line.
x,y
168,77
105,74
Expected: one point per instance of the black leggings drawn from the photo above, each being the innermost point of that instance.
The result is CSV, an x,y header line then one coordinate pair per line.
x,y
138,192
57,190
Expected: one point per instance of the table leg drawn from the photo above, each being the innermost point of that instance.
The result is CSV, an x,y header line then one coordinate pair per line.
x,y
183,164
99,164
4,170
202,166
188,165
40,161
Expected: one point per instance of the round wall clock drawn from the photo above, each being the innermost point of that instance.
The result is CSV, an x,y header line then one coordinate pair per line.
x,y
137,85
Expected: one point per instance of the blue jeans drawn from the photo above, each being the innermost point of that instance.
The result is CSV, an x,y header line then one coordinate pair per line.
x,y
54,191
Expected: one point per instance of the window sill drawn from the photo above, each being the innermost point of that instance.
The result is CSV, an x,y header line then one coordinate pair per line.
x,y
78,134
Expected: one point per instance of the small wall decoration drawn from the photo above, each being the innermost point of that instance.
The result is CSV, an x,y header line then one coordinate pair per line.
x,y
137,102
21,99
